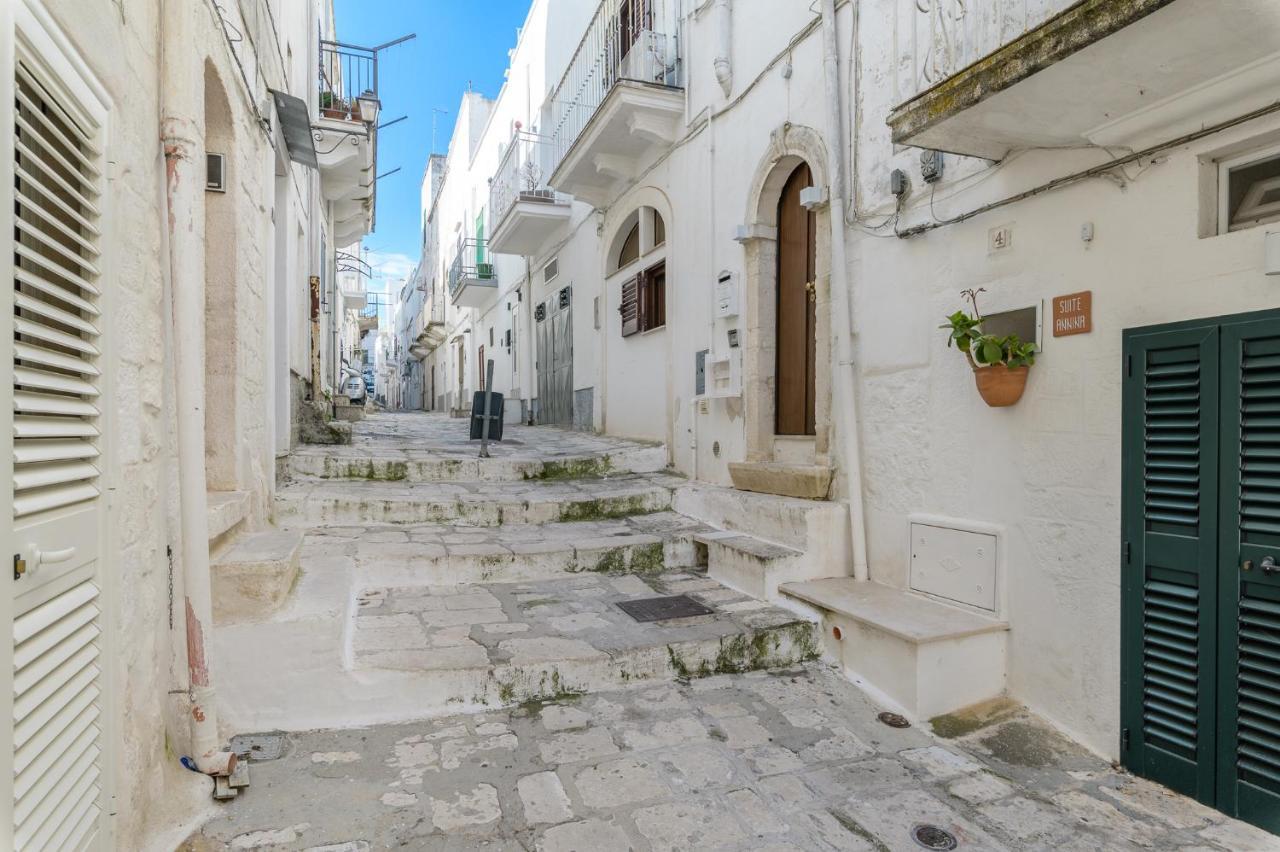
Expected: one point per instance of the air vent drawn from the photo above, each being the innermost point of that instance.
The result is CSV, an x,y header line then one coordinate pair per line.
x,y
551,270
215,173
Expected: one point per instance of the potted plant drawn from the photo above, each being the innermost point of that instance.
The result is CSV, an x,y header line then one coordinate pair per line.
x,y
331,106
1000,364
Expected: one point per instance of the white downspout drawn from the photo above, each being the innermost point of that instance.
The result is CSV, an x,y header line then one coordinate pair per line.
x,y
182,132
724,45
846,376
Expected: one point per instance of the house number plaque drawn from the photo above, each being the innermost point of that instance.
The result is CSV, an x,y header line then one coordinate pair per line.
x,y
1073,314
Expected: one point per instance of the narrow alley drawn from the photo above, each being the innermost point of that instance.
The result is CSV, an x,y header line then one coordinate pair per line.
x,y
591,425
484,595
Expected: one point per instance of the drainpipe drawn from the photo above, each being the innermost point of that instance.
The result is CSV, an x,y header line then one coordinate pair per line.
x,y
724,40
182,132
846,377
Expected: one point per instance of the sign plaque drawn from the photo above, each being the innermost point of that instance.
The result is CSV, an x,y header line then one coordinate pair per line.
x,y
1073,314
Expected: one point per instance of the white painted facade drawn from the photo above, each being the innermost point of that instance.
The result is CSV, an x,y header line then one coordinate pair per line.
x,y
1042,478
204,352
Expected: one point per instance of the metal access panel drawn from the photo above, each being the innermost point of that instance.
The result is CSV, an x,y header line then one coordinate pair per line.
x,y
555,362
661,609
955,564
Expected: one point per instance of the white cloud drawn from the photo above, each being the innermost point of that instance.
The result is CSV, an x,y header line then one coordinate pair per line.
x,y
390,265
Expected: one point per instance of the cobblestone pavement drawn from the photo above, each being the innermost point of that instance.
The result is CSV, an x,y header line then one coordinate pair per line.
x,y
792,760
416,434
556,628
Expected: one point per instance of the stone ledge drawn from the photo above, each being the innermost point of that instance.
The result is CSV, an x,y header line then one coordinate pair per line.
x,y
1083,24
899,613
807,482
255,575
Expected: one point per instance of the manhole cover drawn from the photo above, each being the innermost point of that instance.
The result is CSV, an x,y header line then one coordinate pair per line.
x,y
894,720
258,747
932,837
661,609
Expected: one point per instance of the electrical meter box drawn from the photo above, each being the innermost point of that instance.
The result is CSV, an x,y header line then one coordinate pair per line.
x,y
726,295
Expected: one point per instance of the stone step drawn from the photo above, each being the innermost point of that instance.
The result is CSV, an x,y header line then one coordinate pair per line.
x,y
435,554
411,653
754,566
252,578
818,528
320,502
419,465
226,509
925,656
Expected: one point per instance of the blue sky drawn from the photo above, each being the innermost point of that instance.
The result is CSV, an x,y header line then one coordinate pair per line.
x,y
459,42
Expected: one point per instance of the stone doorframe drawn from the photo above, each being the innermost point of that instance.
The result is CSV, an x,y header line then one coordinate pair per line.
x,y
789,145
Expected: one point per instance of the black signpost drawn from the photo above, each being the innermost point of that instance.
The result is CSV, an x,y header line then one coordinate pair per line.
x,y
486,425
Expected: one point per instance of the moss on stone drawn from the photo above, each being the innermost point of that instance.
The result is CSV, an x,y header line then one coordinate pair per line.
x,y
605,509
576,468
612,561
648,558
975,718
677,663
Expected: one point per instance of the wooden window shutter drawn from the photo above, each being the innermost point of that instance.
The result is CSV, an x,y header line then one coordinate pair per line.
x,y
57,174
629,307
1171,475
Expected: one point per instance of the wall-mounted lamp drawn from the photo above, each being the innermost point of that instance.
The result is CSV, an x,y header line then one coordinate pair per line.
x,y
370,106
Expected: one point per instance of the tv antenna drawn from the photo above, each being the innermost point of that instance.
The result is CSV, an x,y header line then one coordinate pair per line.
x,y
434,114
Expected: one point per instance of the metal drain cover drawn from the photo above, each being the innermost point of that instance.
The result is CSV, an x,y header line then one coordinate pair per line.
x,y
894,720
661,609
258,747
931,837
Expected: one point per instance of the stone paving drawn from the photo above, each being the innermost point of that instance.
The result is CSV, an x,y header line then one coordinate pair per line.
x,y
569,635
417,432
791,760
420,436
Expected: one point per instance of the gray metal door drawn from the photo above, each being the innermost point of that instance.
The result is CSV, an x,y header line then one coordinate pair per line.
x,y
555,360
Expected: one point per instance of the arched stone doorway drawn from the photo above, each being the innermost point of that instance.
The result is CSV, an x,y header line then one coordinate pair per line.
x,y
795,364
221,340
787,353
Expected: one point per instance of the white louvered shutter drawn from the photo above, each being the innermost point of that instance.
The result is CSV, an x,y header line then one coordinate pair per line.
x,y
56,171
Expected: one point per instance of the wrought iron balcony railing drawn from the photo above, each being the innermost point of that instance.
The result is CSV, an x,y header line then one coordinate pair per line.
x,y
522,175
471,264
346,73
626,40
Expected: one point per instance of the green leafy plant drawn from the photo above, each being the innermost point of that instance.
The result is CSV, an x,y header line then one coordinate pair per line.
x,y
985,350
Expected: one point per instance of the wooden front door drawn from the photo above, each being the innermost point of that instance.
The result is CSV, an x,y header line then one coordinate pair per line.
x,y
1201,606
797,249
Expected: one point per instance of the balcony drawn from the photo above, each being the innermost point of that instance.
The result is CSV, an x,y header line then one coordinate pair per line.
x,y
1184,65
620,102
527,213
345,134
432,333
472,278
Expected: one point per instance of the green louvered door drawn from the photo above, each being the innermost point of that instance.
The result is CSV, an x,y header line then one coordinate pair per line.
x,y
1249,670
1201,601
1171,552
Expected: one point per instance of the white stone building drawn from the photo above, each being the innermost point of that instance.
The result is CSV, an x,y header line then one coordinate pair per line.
x,y
173,212
766,160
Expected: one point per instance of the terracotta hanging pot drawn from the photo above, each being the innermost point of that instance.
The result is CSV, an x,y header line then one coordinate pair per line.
x,y
1000,385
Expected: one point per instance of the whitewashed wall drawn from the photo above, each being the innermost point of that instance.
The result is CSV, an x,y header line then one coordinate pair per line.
x,y
1047,470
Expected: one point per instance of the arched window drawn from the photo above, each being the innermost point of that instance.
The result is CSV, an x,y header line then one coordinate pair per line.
x,y
639,250
630,247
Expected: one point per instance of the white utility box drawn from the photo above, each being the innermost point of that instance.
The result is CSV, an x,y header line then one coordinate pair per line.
x,y
726,295
955,564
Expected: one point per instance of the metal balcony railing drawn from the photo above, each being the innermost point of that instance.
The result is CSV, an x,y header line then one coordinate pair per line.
x,y
346,73
471,263
522,175
626,40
